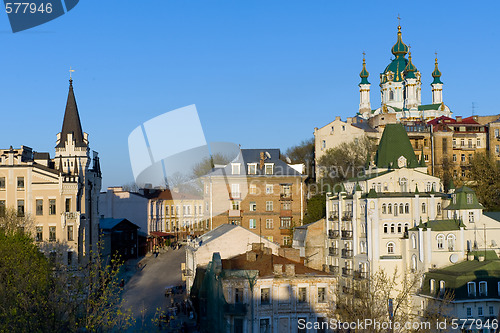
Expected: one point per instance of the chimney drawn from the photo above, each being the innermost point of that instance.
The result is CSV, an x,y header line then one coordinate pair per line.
x,y
349,120
268,251
262,158
337,118
251,256
289,253
290,269
480,257
257,247
459,119
278,269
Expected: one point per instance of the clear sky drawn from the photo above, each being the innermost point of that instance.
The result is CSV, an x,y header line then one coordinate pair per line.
x,y
261,73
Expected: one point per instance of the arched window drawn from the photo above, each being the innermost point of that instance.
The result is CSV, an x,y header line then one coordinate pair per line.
x,y
389,209
407,208
439,208
414,241
432,285
440,241
390,247
441,286
392,228
423,207
407,226
391,95
384,209
399,228
385,228
413,263
451,242
401,209
403,184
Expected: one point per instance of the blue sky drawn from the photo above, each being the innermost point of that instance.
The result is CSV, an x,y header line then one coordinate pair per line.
x,y
261,73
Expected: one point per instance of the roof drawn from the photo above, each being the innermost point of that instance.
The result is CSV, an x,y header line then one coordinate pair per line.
x,y
394,144
493,215
425,107
436,74
248,156
464,198
364,74
41,156
172,195
71,121
110,223
441,225
265,264
217,232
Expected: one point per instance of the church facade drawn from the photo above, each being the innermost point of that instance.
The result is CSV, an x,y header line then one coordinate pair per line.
x,y
59,194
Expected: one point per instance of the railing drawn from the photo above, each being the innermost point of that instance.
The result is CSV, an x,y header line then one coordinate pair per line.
x,y
333,216
360,275
346,271
347,234
285,196
334,269
333,251
333,234
346,253
71,215
346,216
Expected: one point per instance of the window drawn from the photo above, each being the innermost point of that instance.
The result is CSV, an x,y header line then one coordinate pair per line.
x,y
478,143
301,322
392,229
390,247
39,206
384,209
480,311
440,241
391,95
52,234
385,228
253,206
407,208
235,205
379,187
269,224
20,182
265,326
68,205
483,288
492,311
323,144
403,184
432,285
497,149
407,226
401,209
454,157
451,242
39,234
235,168
442,285
469,198
302,295
265,296
469,312
389,209
269,167
497,132
462,157
252,189
52,206
399,228
286,222
462,142
235,190
321,295
2,207
413,241
70,258
286,240
2,182
252,223
238,295
423,207
471,217
439,208
70,233
252,168
471,288
414,263
20,207
269,188
269,206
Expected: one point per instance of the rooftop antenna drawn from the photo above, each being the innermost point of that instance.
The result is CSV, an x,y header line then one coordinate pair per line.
x,y
473,108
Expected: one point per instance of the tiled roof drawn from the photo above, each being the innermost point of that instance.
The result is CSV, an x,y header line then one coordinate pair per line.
x,y
171,195
394,144
71,122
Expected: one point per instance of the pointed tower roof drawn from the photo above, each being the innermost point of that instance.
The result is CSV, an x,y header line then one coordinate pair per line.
x,y
393,145
399,49
71,122
437,73
410,69
364,73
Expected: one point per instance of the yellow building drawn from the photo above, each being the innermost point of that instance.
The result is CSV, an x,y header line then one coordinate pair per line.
x,y
60,194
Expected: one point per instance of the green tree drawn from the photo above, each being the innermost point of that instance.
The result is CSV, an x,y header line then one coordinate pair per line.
x,y
484,179
316,208
302,153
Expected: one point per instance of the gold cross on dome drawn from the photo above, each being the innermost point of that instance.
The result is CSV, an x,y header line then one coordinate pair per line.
x,y
364,54
399,20
70,72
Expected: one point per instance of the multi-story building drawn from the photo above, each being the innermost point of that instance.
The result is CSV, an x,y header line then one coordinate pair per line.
x,y
398,217
258,191
60,193
175,213
446,144
261,292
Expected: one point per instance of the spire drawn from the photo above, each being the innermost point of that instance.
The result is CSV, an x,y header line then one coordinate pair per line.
x,y
436,74
71,122
400,48
410,69
364,73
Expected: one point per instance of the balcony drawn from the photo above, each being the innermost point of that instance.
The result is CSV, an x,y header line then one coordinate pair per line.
x,y
346,216
234,213
346,253
333,216
347,234
333,251
285,196
360,275
346,271
465,147
237,309
333,234
334,269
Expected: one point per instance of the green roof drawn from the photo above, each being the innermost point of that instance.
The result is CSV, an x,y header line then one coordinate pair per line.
x,y
410,69
493,215
400,48
465,198
372,193
364,74
394,144
436,74
456,277
397,66
429,107
441,225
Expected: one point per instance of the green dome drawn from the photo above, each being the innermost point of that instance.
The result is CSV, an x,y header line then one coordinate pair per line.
x,y
364,74
400,48
436,74
410,69
396,66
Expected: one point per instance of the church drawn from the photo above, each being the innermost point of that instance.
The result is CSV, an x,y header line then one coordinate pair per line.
x,y
60,194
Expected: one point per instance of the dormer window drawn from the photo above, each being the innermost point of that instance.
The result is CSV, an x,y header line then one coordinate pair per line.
x,y
235,168
390,76
402,162
469,198
252,168
269,168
